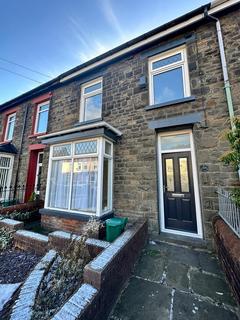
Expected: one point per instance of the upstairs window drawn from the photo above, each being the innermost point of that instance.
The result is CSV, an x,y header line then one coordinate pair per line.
x,y
10,127
42,118
168,77
91,100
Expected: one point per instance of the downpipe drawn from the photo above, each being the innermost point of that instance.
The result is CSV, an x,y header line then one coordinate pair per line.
x,y
227,85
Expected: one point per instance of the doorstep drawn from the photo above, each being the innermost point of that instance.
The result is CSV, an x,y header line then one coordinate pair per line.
x,y
186,241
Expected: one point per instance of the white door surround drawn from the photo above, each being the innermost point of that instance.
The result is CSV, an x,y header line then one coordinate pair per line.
x,y
190,149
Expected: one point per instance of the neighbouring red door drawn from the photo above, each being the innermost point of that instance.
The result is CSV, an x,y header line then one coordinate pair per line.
x,y
32,166
32,170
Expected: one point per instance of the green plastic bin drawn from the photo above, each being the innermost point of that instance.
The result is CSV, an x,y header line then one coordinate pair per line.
x,y
114,227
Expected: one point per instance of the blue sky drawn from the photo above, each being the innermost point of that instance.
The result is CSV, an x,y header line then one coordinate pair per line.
x,y
52,36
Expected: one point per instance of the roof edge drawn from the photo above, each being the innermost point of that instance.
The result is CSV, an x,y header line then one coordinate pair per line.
x,y
101,59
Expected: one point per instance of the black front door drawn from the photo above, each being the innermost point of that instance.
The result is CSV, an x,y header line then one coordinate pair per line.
x,y
178,191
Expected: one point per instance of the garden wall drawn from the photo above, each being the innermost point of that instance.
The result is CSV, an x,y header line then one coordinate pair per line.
x,y
31,241
228,248
60,240
105,276
11,225
22,207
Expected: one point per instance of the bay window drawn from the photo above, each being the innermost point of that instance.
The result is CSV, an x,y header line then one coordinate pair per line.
x,y
80,177
168,76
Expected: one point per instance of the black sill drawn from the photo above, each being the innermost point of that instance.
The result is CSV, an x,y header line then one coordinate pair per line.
x,y
73,215
170,103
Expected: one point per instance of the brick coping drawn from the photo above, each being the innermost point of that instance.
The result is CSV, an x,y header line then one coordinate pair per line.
x,y
32,235
77,303
11,221
23,306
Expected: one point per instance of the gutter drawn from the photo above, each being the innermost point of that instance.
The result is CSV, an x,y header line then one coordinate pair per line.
x,y
175,25
155,37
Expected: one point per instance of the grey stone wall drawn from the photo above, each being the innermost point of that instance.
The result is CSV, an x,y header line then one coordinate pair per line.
x,y
135,169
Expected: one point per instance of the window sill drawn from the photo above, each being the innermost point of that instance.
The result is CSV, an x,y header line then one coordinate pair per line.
x,y
71,215
170,103
82,123
37,135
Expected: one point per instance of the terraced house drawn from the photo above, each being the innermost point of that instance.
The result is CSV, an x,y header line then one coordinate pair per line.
x,y
134,131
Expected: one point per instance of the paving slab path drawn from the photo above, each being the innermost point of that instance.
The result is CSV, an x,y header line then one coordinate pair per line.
x,y
176,282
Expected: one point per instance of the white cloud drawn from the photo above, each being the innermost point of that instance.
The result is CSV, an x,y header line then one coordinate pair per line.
x,y
112,18
86,45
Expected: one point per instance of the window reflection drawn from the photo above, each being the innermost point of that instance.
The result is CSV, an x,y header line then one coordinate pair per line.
x,y
168,86
179,141
169,175
184,174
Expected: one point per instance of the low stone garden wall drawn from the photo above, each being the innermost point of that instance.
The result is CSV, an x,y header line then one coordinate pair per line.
x,y
40,244
22,207
105,276
60,240
11,225
23,306
30,241
228,249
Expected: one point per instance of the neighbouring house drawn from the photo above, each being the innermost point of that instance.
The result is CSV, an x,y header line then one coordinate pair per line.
x,y
134,131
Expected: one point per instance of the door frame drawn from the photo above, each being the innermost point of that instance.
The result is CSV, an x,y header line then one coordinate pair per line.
x,y
199,233
37,172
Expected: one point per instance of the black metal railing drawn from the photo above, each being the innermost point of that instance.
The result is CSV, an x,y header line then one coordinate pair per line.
x,y
11,195
228,210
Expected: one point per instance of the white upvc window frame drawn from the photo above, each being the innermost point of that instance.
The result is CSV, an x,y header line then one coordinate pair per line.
x,y
84,96
37,116
9,175
100,156
110,186
183,64
9,116
39,164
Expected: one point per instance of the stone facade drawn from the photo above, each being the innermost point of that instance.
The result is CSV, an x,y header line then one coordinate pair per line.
x,y
124,100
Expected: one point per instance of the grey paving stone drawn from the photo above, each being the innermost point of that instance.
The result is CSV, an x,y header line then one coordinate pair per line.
x,y
151,265
146,299
176,276
209,263
143,300
187,307
179,254
211,286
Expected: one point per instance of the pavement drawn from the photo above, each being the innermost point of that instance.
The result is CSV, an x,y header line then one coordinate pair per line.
x,y
176,282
